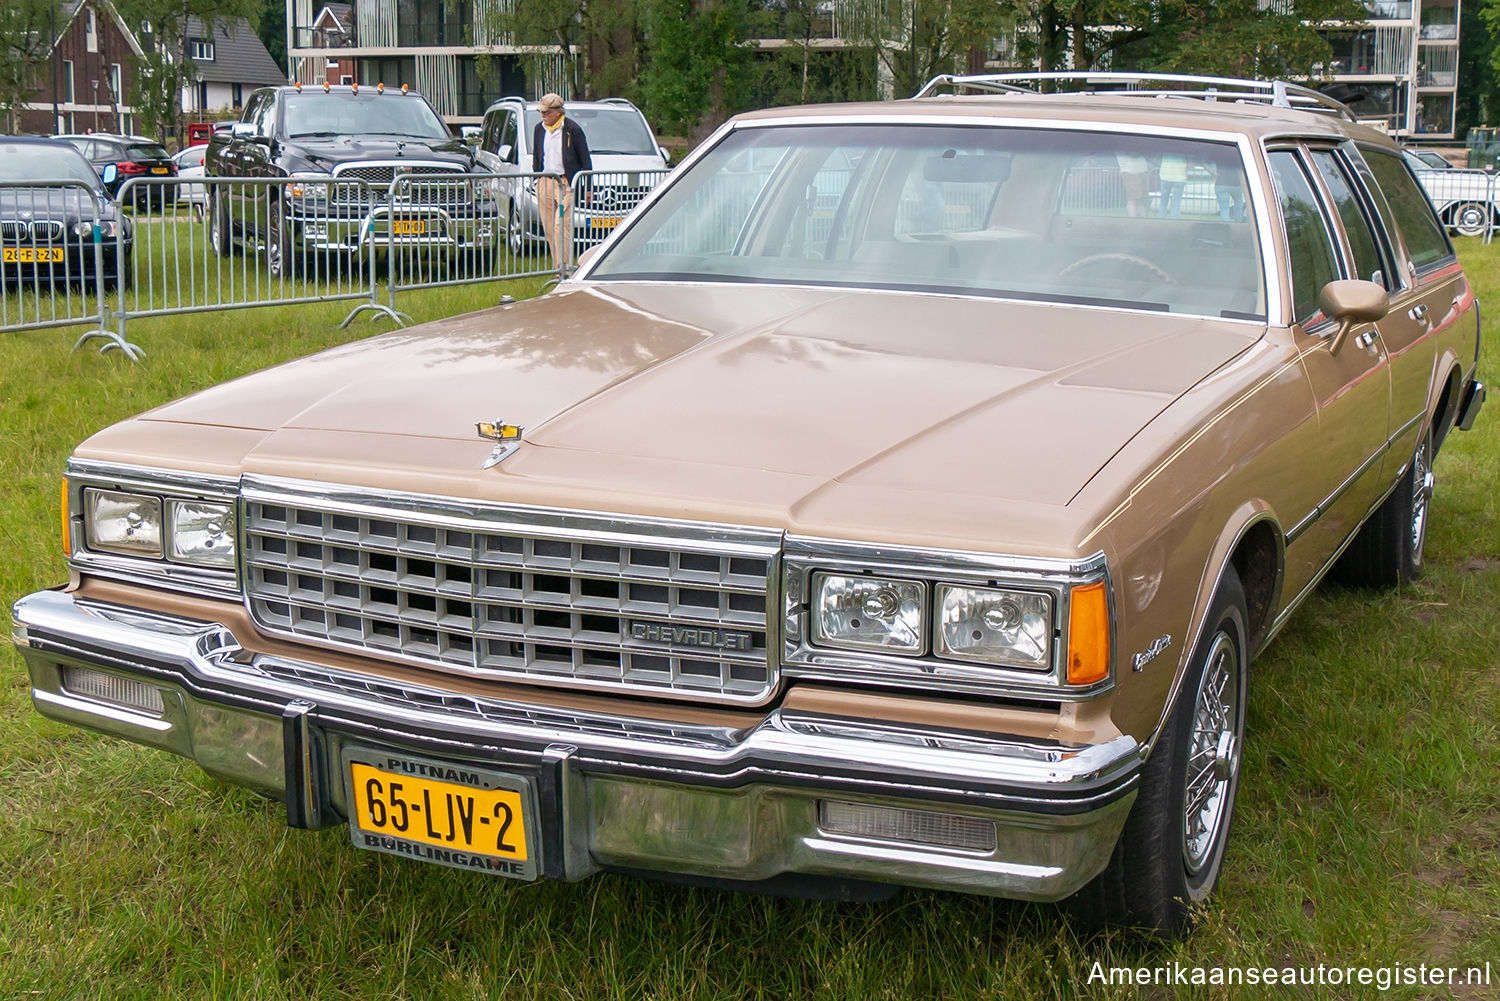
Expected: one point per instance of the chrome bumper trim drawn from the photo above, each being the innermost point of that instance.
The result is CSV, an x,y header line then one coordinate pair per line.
x,y
621,792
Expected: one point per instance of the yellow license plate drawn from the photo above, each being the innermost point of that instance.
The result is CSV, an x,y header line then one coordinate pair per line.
x,y
158,170
456,815
408,227
32,255
609,222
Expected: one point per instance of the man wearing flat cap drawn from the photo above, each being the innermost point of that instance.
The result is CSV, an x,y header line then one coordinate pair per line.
x,y
558,151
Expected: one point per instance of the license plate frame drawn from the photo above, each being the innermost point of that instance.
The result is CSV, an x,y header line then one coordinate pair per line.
x,y
435,826
32,255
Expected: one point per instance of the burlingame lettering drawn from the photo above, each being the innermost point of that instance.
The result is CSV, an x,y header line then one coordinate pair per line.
x,y
712,639
504,867
442,772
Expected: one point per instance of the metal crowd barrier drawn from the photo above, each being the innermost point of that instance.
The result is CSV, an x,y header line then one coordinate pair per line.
x,y
59,259
1465,200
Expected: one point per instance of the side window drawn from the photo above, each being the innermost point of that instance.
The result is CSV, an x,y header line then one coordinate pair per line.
x,y
1309,244
1426,241
508,134
1369,263
252,107
265,120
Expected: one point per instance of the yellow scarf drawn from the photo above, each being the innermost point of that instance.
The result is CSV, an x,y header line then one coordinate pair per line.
x,y
558,125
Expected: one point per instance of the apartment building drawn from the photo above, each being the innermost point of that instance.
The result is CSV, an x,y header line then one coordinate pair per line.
x,y
1401,67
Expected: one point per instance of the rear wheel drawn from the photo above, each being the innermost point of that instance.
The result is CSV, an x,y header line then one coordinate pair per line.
x,y
515,240
1388,551
1470,218
1171,851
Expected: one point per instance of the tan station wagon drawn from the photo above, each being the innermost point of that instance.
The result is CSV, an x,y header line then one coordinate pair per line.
x,y
898,497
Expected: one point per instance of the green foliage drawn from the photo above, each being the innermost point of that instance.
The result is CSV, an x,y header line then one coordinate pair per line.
x,y
27,28
697,55
166,68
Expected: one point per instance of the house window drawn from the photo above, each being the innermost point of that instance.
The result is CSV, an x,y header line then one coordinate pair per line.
x,y
114,83
346,80
91,32
202,50
67,81
203,95
237,95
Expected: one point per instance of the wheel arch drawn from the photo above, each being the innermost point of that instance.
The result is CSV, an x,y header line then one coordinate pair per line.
x,y
1253,544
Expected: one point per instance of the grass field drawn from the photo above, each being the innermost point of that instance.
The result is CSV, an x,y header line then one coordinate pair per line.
x,y
1368,828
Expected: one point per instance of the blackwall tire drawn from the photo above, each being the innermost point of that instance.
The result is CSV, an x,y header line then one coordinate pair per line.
x,y
1390,548
1171,852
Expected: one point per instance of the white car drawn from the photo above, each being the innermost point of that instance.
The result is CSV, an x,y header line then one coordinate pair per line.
x,y
189,168
627,161
1465,200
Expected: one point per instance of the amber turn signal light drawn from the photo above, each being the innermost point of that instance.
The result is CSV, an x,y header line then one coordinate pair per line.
x,y
1088,635
67,529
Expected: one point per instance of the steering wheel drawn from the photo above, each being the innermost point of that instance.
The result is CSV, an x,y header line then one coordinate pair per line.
x,y
1116,258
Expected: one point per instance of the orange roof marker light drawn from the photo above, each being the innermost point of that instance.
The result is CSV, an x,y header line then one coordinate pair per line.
x,y
325,86
299,86
356,87
380,87
403,89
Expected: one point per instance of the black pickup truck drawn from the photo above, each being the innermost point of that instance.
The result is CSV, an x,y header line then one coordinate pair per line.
x,y
342,171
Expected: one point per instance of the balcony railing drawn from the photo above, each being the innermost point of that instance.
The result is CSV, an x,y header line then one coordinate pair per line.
x,y
1389,10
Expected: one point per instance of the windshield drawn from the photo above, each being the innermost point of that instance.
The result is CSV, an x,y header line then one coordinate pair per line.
x,y
45,163
607,130
1089,217
367,114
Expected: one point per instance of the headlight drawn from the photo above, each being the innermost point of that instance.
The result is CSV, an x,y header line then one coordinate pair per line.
x,y
106,228
129,524
869,613
993,626
201,532
307,188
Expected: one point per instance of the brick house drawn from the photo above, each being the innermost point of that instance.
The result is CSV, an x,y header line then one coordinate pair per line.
x,y
89,77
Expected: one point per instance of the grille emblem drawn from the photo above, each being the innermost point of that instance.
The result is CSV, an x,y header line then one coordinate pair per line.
x,y
506,436
702,637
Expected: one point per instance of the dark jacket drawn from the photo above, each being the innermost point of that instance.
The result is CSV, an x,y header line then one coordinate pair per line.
x,y
575,148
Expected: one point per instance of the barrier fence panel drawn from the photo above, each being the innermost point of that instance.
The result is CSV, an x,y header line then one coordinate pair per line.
x,y
231,243
603,198
1465,200
58,257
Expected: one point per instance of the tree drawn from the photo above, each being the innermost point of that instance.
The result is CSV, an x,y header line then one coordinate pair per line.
x,y
27,28
167,68
697,55
604,32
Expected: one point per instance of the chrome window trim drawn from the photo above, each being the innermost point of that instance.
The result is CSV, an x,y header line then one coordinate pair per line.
x,y
160,571
555,523
1251,157
802,659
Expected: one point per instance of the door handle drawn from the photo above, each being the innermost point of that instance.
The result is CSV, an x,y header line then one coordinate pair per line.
x,y
1365,339
1418,312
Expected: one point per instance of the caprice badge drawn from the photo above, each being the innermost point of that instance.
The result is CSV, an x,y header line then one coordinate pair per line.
x,y
506,436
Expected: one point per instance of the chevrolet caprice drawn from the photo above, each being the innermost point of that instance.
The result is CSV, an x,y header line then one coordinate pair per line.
x,y
897,498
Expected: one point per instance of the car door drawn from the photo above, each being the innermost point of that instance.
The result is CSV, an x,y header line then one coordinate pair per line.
x,y
1350,388
230,160
1435,295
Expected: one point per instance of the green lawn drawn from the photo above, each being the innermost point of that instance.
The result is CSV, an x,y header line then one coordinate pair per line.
x,y
1368,828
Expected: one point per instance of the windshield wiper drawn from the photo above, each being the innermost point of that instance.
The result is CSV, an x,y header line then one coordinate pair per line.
x,y
313,135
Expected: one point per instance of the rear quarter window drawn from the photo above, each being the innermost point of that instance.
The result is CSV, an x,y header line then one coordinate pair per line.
x,y
1426,241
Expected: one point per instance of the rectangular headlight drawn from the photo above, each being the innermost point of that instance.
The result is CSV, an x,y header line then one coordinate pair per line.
x,y
201,532
870,613
116,522
994,626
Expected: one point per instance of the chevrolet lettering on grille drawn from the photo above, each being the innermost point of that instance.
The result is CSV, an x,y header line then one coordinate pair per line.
x,y
693,636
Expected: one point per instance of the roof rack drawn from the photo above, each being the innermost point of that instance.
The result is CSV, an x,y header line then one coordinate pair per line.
x,y
1276,93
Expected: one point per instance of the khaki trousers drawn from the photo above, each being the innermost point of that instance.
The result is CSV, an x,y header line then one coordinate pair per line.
x,y
554,198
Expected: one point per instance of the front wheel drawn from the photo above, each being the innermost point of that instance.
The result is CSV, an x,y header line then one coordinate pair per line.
x,y
1170,854
1471,218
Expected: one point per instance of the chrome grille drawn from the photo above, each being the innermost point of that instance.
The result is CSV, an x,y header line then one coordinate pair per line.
x,y
384,173
530,599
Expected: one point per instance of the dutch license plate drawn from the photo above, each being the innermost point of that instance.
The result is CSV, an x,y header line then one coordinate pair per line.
x,y
158,170
32,255
457,815
607,222
408,227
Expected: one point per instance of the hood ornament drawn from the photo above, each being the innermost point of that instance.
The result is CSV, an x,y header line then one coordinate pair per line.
x,y
506,436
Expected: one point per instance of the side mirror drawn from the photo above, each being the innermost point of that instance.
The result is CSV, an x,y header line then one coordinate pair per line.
x,y
666,157
242,130
109,175
506,153
1351,302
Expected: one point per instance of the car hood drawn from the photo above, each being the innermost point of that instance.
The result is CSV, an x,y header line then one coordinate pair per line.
x,y
325,153
66,204
722,402
610,162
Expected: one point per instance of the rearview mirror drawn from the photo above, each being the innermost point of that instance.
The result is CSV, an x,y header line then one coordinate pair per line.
x,y
1352,302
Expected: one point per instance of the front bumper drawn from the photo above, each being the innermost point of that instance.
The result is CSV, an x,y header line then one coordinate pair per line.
x,y
400,228
613,792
